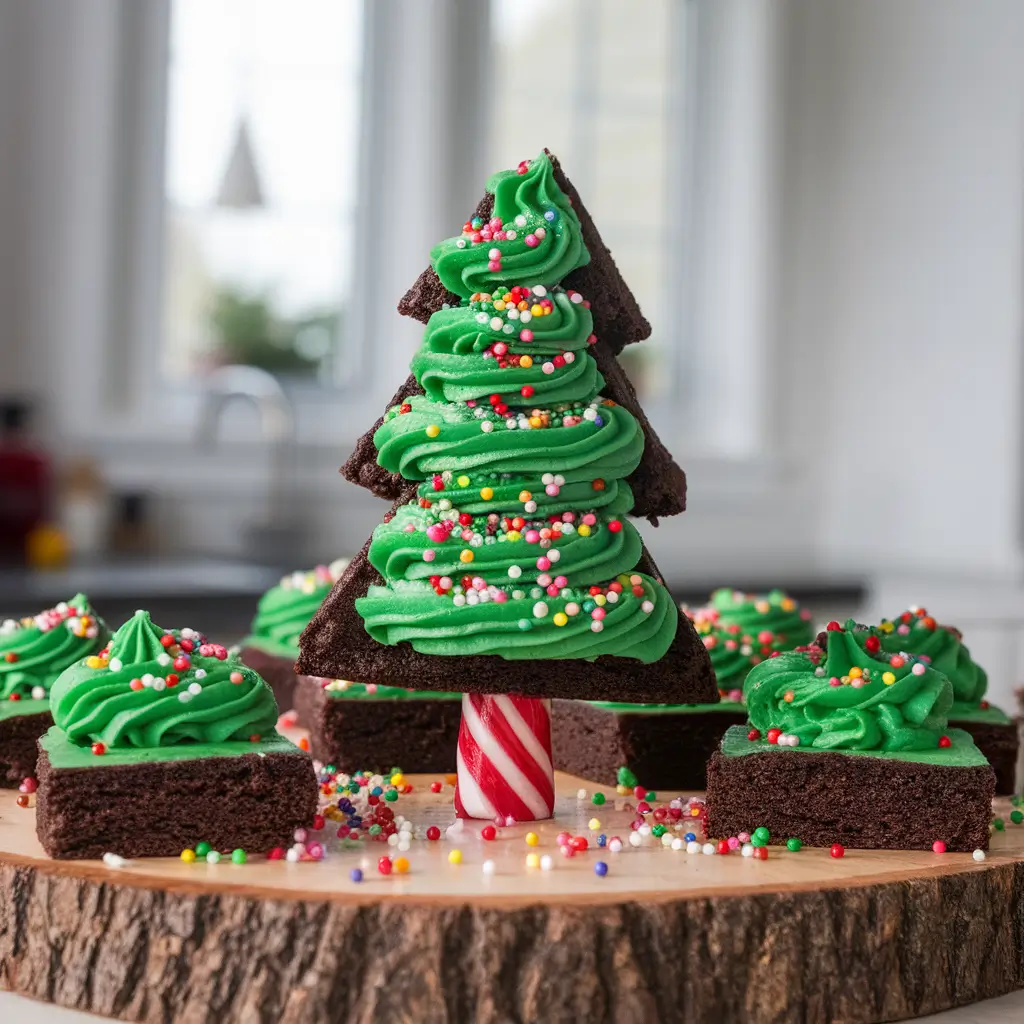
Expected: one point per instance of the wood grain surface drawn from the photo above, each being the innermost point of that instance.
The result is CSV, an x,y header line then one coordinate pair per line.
x,y
664,936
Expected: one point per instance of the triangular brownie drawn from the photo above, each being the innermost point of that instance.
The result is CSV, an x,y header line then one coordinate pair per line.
x,y
336,645
659,485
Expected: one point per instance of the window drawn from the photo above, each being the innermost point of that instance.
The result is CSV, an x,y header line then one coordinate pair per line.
x,y
261,183
606,99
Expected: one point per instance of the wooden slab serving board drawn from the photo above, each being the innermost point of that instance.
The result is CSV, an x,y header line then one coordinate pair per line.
x,y
665,935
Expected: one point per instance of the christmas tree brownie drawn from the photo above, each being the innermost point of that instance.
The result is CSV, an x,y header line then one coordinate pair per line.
x,y
849,744
33,653
993,731
284,611
163,740
513,455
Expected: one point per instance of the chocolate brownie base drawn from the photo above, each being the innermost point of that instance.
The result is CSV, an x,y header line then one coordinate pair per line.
x,y
277,670
335,645
664,749
1000,744
358,733
158,809
861,802
18,736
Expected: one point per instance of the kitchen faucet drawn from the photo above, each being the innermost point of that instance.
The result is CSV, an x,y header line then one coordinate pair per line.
x,y
277,426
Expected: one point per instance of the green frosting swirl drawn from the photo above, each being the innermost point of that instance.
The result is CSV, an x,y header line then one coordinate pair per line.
x,y
775,612
407,611
435,438
285,610
457,361
35,650
138,696
917,632
528,204
733,653
847,699
515,545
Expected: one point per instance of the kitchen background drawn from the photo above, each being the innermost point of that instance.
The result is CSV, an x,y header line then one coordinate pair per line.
x,y
209,208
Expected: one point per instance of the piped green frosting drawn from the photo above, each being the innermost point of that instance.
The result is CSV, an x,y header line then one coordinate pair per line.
x,y
846,698
160,688
527,201
516,544
943,647
35,650
285,610
775,612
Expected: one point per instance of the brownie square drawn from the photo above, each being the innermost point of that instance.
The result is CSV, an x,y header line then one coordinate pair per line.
x,y
277,669
858,800
126,804
667,748
375,734
1000,743
18,736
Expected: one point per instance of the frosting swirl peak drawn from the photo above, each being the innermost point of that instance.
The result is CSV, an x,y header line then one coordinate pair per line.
x,y
35,650
157,688
847,698
943,648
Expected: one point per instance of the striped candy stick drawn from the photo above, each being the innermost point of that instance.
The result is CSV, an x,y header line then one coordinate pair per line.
x,y
504,758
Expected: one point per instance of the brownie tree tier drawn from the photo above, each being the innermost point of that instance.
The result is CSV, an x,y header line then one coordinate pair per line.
x,y
872,937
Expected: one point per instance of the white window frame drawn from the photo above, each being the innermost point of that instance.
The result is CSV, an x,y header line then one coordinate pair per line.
x,y
107,178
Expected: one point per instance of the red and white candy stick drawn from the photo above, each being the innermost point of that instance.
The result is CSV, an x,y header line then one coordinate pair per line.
x,y
504,758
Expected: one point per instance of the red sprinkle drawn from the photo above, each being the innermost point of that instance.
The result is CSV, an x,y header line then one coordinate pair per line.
x,y
837,850
773,735
945,741
834,627
754,734
99,748
384,865
488,832
433,833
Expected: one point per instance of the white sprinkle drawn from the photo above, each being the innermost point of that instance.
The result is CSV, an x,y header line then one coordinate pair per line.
x,y
114,860
497,323
116,665
538,289
486,426
615,846
546,863
708,849
581,794
184,696
195,689
515,571
747,849
489,867
693,846
677,843
635,839
159,684
540,609
38,692
978,855
200,673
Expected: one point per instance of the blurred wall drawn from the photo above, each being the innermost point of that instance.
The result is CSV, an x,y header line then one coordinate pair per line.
x,y
900,312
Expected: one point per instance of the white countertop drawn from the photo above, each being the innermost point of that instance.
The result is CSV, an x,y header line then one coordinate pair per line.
x,y
15,1010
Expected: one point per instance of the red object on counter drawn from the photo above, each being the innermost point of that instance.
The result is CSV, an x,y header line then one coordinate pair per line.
x,y
25,481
